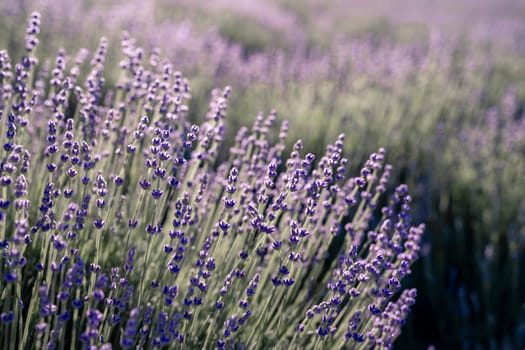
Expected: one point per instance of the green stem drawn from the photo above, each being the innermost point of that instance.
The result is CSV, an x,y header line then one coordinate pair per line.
x,y
144,266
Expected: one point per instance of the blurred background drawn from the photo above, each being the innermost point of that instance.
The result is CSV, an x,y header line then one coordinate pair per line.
x,y
439,84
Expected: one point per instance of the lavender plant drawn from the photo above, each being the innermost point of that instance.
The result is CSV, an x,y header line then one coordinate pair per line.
x,y
119,228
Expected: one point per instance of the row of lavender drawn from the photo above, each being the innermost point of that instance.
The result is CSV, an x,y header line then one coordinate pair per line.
x,y
450,114
117,231
452,118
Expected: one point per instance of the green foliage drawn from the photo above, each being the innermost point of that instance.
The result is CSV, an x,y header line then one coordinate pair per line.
x,y
254,37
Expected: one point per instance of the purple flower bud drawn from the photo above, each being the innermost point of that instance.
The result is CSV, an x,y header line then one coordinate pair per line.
x,y
99,223
156,193
41,327
10,277
77,303
374,309
72,172
145,184
98,294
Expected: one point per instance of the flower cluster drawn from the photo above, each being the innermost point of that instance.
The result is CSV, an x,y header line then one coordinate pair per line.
x,y
120,227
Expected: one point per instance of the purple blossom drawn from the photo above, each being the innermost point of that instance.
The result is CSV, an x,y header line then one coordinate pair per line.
x,y
247,251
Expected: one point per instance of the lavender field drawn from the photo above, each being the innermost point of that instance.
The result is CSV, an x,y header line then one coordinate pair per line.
x,y
337,174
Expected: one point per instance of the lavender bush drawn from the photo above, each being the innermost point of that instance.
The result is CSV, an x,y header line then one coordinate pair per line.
x,y
449,109
119,228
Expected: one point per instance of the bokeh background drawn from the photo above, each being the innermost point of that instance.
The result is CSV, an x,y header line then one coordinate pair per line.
x,y
439,84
